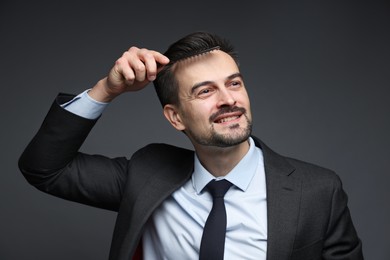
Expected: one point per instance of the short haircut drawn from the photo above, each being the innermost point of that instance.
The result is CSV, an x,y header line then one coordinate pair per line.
x,y
166,84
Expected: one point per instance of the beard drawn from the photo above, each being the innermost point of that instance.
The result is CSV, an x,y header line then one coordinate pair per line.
x,y
236,136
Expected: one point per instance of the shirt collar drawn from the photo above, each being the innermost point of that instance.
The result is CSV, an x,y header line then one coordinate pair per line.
x,y
241,175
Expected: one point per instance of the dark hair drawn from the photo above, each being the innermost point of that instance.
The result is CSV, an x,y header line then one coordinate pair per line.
x,y
166,84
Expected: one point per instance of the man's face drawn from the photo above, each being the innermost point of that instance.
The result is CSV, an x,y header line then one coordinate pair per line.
x,y
214,107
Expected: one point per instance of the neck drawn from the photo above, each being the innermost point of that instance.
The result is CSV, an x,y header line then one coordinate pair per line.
x,y
219,161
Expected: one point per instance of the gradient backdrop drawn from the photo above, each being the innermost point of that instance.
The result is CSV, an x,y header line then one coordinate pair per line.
x,y
318,74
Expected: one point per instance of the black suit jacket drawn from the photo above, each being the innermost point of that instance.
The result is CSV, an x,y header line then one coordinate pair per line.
x,y
308,217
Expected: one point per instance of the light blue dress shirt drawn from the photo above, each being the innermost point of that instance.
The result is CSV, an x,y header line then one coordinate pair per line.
x,y
174,231
85,106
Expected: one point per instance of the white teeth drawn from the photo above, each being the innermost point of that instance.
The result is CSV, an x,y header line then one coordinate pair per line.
x,y
226,119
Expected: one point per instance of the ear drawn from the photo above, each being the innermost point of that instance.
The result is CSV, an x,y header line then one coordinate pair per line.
x,y
171,113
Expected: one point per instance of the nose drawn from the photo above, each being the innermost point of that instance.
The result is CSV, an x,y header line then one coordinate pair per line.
x,y
225,98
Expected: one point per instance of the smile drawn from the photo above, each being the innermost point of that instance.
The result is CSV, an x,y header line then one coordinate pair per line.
x,y
227,114
227,119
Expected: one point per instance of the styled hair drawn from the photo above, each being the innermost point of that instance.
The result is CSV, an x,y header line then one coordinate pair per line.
x,y
166,84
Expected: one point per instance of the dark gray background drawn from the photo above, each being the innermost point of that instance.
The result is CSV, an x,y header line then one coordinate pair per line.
x,y
317,72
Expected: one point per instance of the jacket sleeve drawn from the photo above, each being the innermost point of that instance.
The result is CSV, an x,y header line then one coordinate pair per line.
x,y
341,241
52,162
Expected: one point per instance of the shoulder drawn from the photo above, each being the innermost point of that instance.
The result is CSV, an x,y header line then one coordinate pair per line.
x,y
161,163
315,177
163,155
163,151
309,172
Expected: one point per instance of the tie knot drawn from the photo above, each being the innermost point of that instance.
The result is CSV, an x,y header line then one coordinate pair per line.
x,y
218,189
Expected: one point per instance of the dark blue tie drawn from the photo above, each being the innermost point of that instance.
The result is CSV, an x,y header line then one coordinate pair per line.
x,y
212,245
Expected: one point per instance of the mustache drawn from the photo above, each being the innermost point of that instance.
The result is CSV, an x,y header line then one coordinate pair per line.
x,y
225,110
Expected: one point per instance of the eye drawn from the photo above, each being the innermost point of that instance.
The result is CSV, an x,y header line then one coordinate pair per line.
x,y
235,83
205,92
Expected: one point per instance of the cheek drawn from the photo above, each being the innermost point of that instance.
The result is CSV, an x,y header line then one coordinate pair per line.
x,y
197,120
243,99
190,116
198,112
201,108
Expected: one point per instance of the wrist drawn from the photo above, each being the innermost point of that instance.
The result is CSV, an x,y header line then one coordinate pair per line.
x,y
100,92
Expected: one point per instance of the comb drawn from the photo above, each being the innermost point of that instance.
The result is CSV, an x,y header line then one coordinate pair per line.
x,y
194,53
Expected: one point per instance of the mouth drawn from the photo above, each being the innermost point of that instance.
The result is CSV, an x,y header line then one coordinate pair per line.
x,y
226,118
227,115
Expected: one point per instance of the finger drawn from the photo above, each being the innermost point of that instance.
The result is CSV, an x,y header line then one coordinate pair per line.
x,y
139,69
153,61
150,65
128,75
122,72
161,59
135,63
149,62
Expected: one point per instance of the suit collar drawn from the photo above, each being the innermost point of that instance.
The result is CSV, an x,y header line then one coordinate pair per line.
x,y
241,174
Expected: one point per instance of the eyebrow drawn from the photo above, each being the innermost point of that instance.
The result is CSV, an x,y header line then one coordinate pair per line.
x,y
207,82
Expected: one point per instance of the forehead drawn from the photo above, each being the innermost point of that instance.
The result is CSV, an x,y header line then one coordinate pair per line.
x,y
212,66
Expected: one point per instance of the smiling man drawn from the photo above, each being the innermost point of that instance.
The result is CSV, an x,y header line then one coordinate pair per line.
x,y
213,109
230,198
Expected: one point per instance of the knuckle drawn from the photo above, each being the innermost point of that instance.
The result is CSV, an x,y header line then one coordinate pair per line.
x,y
129,77
119,61
139,68
133,49
148,55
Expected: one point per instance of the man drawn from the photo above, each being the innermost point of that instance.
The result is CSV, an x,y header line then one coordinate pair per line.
x,y
277,207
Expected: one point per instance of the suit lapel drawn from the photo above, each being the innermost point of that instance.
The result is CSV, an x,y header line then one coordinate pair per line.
x,y
157,174
283,199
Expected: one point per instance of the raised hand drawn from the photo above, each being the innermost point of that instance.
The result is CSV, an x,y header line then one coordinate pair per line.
x,y
131,72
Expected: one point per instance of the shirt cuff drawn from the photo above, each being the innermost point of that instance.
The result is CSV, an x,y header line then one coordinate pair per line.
x,y
85,106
